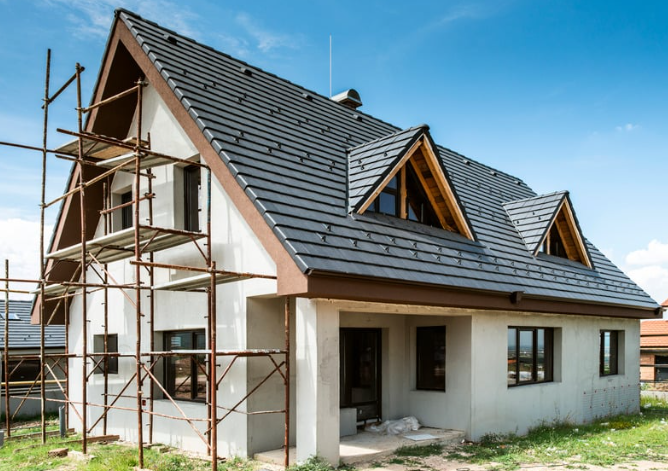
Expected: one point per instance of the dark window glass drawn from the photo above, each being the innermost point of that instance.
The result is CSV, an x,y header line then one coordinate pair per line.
x,y
22,370
430,343
418,205
530,355
126,211
185,376
191,191
660,368
554,245
609,352
112,347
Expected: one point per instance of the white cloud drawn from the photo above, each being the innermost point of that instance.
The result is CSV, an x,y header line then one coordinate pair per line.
x,y
649,268
628,127
92,18
655,253
266,40
19,243
653,279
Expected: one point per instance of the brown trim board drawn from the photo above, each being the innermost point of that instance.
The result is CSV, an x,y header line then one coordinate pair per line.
x,y
393,292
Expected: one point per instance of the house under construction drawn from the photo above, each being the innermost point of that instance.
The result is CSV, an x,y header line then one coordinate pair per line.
x,y
212,206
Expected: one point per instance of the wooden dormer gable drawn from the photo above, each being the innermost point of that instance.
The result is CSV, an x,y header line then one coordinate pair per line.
x,y
548,224
403,175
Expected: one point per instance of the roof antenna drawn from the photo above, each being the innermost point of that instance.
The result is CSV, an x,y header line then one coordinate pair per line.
x,y
330,66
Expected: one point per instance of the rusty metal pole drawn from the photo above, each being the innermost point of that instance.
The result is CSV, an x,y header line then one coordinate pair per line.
x,y
213,380
137,189
105,205
5,355
287,383
42,351
82,253
151,305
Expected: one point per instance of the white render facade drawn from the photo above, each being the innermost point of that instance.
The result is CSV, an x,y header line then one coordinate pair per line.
x,y
476,399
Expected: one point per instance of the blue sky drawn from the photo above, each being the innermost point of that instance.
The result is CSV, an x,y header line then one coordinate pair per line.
x,y
564,95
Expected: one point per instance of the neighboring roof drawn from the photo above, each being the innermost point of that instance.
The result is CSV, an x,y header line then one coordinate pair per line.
x,y
287,148
23,334
654,333
665,303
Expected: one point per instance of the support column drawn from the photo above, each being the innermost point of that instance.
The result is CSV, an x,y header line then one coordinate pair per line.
x,y
317,373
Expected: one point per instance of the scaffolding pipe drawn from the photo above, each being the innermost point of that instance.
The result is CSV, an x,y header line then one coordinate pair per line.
x,y
41,245
137,150
84,298
6,351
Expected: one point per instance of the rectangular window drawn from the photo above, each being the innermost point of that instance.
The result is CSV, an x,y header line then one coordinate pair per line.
x,y
22,371
112,347
191,190
609,352
530,355
126,211
185,376
430,342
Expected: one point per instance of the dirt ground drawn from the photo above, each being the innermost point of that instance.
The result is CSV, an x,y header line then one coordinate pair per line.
x,y
441,464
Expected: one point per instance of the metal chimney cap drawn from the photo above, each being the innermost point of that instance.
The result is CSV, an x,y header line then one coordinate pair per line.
x,y
350,98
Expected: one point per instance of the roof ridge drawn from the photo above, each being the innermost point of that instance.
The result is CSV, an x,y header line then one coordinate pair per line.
x,y
559,192
387,136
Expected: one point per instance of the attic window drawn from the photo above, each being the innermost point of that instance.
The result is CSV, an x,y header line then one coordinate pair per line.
x,y
563,238
415,188
553,244
404,197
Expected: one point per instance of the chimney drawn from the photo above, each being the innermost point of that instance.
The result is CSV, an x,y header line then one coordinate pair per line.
x,y
349,98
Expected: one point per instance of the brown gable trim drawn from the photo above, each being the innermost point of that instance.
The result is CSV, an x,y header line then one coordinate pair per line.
x,y
373,290
290,277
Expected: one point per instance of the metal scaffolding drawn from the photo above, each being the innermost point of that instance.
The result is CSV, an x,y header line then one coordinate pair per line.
x,y
137,244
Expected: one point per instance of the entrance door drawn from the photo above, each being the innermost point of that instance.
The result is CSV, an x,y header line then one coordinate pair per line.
x,y
360,372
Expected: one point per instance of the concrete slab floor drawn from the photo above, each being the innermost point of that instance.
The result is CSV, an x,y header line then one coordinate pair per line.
x,y
369,446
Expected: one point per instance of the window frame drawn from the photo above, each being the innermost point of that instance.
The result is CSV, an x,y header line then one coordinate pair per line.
x,y
192,187
126,212
602,360
548,355
430,383
111,362
196,367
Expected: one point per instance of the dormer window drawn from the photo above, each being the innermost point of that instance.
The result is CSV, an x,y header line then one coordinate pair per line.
x,y
402,175
404,197
547,224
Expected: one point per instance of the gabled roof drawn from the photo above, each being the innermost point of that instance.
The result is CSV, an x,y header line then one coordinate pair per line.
x,y
535,217
23,334
372,165
284,149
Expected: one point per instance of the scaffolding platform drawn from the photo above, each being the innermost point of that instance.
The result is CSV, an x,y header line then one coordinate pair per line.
x,y
121,244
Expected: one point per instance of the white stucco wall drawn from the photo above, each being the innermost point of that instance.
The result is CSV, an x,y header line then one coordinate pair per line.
x,y
235,248
577,393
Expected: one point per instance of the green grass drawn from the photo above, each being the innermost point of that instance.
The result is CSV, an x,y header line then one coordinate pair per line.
x,y
603,443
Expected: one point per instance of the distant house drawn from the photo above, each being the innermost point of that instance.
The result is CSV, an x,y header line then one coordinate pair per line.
x,y
654,351
24,364
421,282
